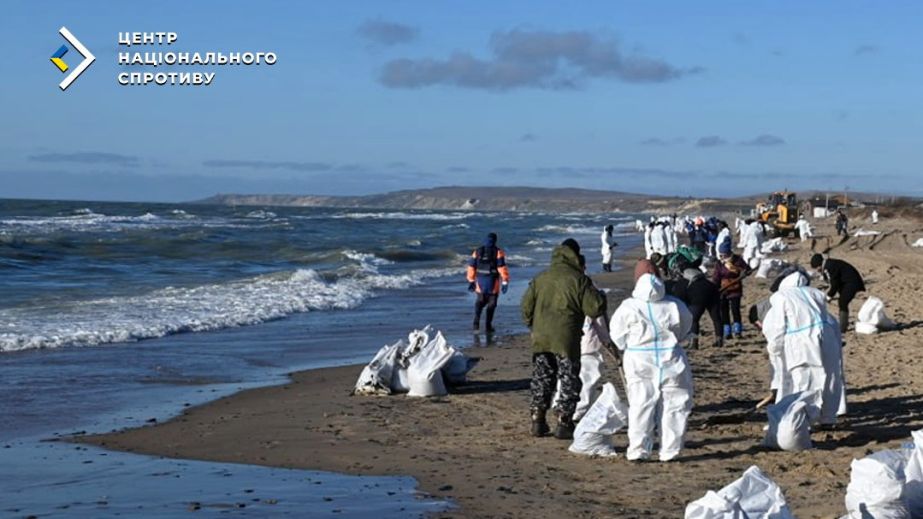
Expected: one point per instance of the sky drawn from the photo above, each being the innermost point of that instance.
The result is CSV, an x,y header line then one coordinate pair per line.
x,y
718,98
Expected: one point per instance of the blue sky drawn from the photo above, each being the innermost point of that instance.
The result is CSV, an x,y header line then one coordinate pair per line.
x,y
687,98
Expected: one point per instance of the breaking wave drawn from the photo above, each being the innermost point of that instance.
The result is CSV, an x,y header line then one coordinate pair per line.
x,y
175,310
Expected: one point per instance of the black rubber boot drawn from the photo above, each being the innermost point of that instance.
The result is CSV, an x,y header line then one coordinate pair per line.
x,y
844,321
539,424
565,429
694,343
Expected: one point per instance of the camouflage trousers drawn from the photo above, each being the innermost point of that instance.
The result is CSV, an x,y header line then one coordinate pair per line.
x,y
547,370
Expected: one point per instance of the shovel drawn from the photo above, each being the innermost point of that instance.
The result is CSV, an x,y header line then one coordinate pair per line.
x,y
621,386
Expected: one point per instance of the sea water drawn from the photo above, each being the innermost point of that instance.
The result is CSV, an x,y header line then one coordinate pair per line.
x,y
114,314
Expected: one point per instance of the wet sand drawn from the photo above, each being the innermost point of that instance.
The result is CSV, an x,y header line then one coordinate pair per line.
x,y
473,445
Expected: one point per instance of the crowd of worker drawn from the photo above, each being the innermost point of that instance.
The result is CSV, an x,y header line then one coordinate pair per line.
x,y
690,269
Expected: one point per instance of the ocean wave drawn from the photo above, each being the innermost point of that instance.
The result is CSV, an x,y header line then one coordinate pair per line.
x,y
406,216
94,222
260,214
195,309
569,229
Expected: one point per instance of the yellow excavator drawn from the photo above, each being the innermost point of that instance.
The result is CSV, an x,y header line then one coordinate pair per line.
x,y
780,211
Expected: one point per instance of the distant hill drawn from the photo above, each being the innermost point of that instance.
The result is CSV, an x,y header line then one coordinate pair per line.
x,y
487,198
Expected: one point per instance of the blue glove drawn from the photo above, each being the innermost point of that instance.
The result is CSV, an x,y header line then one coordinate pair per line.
x,y
471,286
504,287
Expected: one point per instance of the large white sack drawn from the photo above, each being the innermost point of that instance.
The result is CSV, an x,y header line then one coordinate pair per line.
x,y
400,380
876,483
773,245
714,506
754,494
873,313
768,266
863,232
375,378
790,421
918,243
593,435
913,475
425,370
456,369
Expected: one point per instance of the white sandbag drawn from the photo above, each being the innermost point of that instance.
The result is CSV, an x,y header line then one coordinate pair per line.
x,y
773,245
714,506
456,369
400,380
593,435
866,328
913,476
425,370
918,243
863,232
768,266
375,378
876,483
790,421
873,313
753,496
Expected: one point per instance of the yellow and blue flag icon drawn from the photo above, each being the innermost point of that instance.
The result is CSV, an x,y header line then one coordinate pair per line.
x,y
56,58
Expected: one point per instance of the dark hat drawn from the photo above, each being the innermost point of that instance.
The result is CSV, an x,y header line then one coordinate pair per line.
x,y
572,245
492,236
816,261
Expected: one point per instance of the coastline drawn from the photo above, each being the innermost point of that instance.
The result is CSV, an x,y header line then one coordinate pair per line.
x,y
473,446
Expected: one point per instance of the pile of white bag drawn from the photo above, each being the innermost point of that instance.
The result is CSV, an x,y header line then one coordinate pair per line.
x,y
773,245
607,415
863,232
887,484
419,367
790,421
753,496
769,266
872,317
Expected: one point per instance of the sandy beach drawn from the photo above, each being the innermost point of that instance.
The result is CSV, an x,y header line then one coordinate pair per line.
x,y
473,446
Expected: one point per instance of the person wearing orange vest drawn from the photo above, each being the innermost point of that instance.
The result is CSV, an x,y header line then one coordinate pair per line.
x,y
488,276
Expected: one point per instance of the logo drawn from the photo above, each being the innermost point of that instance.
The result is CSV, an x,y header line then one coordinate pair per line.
x,y
88,58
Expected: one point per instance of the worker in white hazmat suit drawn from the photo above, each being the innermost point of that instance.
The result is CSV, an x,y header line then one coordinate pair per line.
x,y
803,228
659,239
874,216
648,328
805,346
648,250
608,243
753,243
595,338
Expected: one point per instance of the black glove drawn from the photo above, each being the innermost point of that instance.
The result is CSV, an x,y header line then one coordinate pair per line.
x,y
471,286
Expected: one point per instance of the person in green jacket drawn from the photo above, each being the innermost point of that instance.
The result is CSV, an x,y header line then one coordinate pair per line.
x,y
554,307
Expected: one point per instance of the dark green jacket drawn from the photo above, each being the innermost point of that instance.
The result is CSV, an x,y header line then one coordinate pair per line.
x,y
556,303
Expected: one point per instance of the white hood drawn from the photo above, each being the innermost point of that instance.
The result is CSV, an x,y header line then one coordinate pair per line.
x,y
648,288
793,280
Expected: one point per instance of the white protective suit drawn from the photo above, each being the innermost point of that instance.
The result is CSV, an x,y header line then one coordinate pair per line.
x,y
595,338
659,240
648,328
804,229
608,241
648,250
874,216
805,346
742,231
753,243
